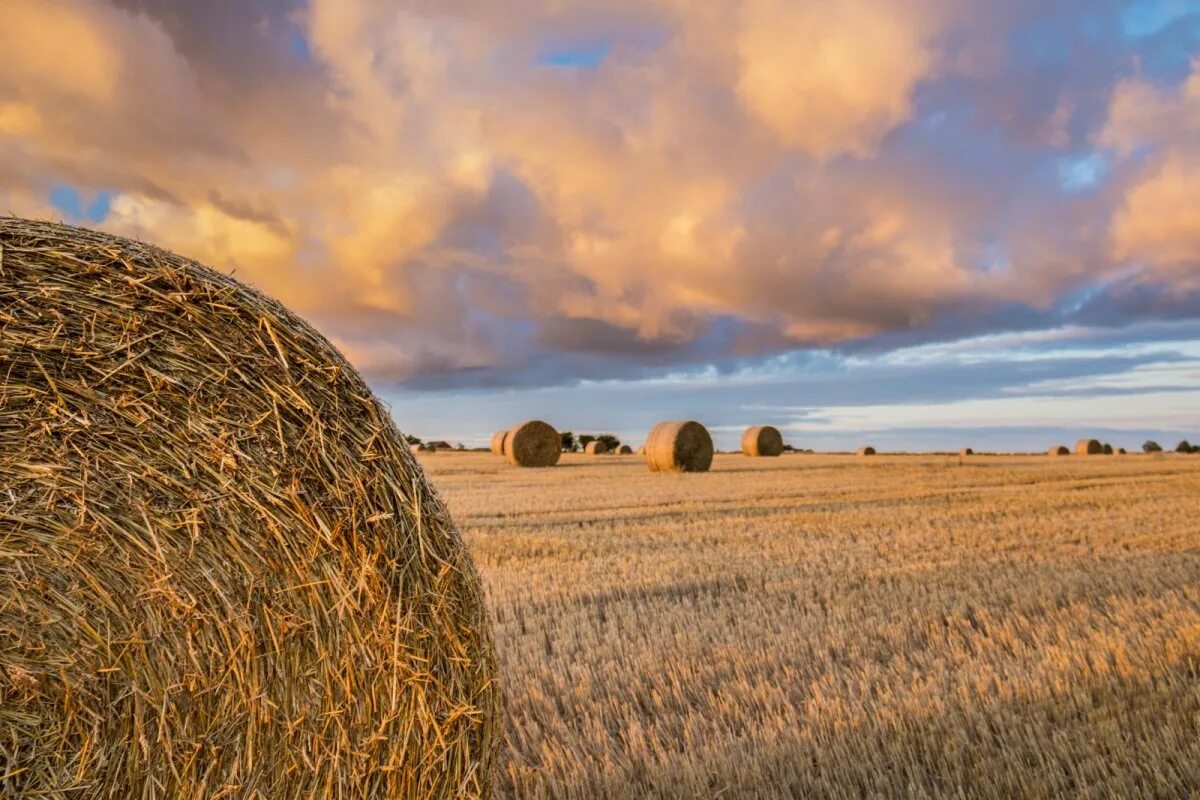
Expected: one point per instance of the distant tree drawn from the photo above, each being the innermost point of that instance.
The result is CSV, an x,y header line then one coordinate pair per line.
x,y
610,441
583,440
568,441
1151,447
1184,447
413,440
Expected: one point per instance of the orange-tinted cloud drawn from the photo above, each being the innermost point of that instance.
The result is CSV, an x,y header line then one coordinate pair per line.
x,y
723,179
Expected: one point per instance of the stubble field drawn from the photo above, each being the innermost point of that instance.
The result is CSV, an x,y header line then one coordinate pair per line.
x,y
835,626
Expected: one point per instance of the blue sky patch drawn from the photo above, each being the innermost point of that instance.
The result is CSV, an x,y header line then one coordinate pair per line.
x,y
575,55
75,208
1148,17
1080,173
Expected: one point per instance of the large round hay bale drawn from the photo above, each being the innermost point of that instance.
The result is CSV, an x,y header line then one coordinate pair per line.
x,y
498,442
866,451
679,447
222,572
533,444
624,450
595,448
1059,450
1089,447
762,440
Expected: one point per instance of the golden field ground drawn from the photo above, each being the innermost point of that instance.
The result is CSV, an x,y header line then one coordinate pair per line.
x,y
836,626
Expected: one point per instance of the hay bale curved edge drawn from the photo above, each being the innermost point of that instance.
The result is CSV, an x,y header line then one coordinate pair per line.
x,y
222,565
679,447
533,444
762,441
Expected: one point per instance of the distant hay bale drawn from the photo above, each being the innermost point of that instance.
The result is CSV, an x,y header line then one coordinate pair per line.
x,y
1059,450
1108,449
1121,451
762,441
679,447
222,571
641,451
1089,447
624,450
498,442
966,451
866,451
595,448
533,444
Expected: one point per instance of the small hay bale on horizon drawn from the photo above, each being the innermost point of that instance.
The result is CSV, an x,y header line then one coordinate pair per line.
x,y
223,567
1108,449
624,450
1089,447
966,451
595,448
497,446
866,451
679,447
1059,450
533,444
762,441
641,451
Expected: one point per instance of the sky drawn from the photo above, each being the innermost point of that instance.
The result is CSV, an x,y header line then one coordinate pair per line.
x,y
921,226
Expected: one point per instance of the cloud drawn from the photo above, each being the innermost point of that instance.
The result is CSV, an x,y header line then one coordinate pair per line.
x,y
1156,224
832,78
714,183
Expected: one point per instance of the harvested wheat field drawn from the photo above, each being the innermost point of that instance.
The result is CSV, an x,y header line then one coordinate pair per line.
x,y
825,626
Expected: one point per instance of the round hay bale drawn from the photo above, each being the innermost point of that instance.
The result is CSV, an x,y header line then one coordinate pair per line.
x,y
595,448
222,571
762,440
1121,451
1108,449
1089,447
641,451
866,451
1059,450
498,442
624,450
533,444
679,447
966,451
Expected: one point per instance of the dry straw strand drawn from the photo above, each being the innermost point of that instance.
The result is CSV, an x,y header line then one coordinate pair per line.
x,y
222,572
762,440
679,447
533,444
